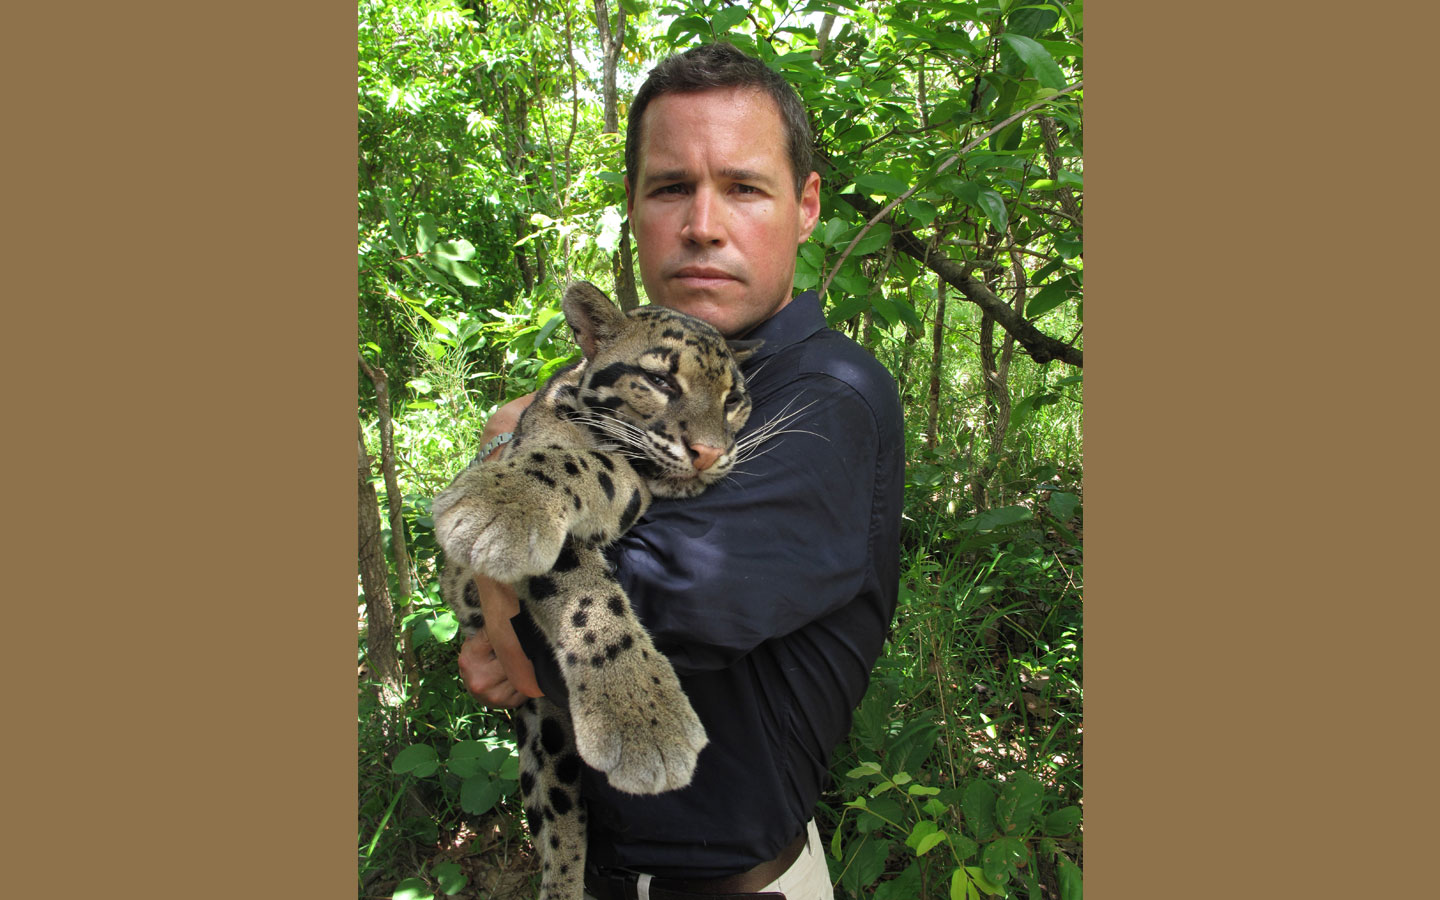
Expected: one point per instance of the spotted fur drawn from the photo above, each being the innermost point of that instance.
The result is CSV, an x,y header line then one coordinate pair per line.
x,y
652,410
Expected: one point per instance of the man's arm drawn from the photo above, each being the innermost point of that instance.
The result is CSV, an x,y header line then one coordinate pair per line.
x,y
493,667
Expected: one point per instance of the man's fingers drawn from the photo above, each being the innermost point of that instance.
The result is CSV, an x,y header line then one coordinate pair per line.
x,y
500,604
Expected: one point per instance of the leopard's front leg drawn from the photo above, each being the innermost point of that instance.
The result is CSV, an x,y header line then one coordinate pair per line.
x,y
631,718
508,519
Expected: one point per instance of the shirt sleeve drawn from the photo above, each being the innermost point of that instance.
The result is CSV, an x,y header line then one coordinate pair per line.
x,y
781,542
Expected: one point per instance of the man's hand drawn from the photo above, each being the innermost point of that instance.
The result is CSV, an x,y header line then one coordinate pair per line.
x,y
492,665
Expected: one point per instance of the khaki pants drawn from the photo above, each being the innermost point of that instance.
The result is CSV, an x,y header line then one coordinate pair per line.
x,y
808,878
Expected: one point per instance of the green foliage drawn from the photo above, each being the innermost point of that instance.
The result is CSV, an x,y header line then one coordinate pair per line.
x,y
484,183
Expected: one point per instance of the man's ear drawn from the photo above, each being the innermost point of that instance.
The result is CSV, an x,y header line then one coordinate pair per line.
x,y
809,206
629,199
594,320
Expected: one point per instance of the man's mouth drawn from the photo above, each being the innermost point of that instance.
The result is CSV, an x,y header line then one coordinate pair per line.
x,y
703,276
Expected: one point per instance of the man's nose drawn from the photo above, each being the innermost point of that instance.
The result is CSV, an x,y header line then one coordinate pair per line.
x,y
704,222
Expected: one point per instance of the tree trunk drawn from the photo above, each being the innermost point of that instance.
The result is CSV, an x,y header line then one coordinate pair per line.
x,y
623,262
936,355
379,613
393,499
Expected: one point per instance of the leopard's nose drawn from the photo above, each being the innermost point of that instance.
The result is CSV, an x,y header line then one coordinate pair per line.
x,y
703,457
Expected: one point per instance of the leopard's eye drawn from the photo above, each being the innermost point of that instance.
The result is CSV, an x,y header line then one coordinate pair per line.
x,y
663,381
733,400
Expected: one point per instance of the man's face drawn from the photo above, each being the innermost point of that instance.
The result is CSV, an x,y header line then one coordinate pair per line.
x,y
714,210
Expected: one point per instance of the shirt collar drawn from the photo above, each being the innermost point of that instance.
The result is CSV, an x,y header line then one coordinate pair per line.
x,y
795,322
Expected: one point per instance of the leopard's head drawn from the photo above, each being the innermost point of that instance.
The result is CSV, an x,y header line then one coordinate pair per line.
x,y
663,387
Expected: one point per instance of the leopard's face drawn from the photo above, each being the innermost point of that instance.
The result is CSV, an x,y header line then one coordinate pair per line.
x,y
669,392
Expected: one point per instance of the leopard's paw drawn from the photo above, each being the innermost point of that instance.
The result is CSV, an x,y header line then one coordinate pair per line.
x,y
639,728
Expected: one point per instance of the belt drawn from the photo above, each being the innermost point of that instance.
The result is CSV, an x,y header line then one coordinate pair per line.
x,y
623,884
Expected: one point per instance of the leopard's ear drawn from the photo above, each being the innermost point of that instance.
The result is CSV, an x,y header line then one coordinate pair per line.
x,y
743,350
594,320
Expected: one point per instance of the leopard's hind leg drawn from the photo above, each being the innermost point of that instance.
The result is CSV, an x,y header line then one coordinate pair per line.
x,y
550,786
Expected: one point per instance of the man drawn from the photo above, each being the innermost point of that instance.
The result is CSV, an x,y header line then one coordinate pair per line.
x,y
772,592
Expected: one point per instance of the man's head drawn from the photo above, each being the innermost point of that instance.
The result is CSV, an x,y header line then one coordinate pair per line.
x,y
719,186
713,66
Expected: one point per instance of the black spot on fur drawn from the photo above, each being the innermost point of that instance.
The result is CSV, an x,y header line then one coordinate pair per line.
x,y
616,604
612,373
537,456
590,637
541,477
527,783
604,460
567,768
540,587
471,593
632,510
571,468
586,602
566,561
571,658
580,619
560,801
552,736
597,660
606,485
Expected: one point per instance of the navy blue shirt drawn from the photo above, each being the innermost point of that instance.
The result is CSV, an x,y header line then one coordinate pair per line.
x,y
771,593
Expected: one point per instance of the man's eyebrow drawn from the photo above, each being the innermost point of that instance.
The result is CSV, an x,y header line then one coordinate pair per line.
x,y
662,176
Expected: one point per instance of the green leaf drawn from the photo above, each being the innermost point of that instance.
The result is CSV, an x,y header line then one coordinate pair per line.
x,y
923,829
1068,874
412,889
905,886
978,806
978,877
863,770
833,229
1063,506
880,183
847,308
555,321
928,843
478,794
456,249
964,847
463,273
877,237
426,232
1001,858
1037,59
392,216
448,875
1064,820
1018,800
610,177
467,758
727,19
994,206
1049,297
419,760
866,865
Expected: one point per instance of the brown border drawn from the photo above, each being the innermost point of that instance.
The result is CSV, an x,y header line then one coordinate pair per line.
x,y
180,324
180,411
1241,419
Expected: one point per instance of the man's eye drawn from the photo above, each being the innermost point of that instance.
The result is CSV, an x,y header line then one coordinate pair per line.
x,y
671,189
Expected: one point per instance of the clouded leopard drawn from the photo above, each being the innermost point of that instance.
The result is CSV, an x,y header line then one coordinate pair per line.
x,y
652,410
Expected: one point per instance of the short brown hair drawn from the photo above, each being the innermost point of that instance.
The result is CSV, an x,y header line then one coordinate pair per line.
x,y
712,66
